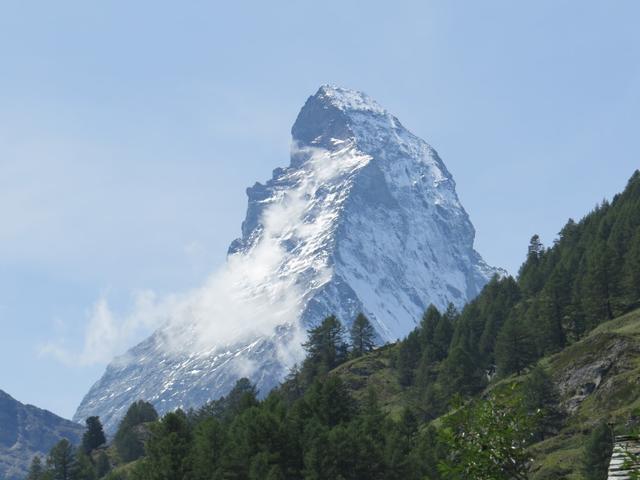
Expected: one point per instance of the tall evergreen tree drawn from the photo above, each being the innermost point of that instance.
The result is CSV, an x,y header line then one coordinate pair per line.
x,y
36,469
515,347
631,271
443,334
128,441
362,335
85,468
428,325
409,353
461,374
62,462
242,396
94,435
325,348
541,398
597,452
330,401
209,442
168,449
530,276
103,464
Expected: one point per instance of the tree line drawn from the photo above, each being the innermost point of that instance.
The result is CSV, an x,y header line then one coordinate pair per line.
x,y
590,275
312,428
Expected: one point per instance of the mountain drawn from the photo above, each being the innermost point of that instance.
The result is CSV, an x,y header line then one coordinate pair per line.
x,y
365,219
571,319
26,431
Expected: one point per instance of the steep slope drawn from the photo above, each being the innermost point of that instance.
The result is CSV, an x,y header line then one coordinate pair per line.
x,y
597,379
377,208
365,218
25,431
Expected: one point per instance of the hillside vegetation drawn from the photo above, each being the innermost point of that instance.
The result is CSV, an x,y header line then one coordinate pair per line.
x,y
520,384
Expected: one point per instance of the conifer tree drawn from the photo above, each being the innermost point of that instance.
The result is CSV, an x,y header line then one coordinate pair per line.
x,y
325,347
631,271
409,353
542,399
94,434
62,462
103,465
428,325
36,470
209,442
330,401
275,473
442,335
85,468
597,452
530,275
362,335
168,448
128,443
461,374
242,396
515,347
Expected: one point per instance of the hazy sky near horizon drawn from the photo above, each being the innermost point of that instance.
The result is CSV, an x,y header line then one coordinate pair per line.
x,y
130,130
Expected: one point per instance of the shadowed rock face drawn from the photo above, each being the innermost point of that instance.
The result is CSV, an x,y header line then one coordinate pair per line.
x,y
366,219
26,431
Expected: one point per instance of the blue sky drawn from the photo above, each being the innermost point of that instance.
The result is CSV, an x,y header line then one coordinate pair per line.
x,y
130,130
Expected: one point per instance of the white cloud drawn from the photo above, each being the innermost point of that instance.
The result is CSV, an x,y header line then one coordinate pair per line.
x,y
105,334
251,295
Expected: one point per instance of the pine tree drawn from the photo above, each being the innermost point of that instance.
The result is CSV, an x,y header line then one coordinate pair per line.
x,y
631,271
461,374
400,441
330,401
209,441
530,275
427,329
36,470
242,396
103,465
362,336
94,435
542,399
325,347
85,468
597,452
127,440
275,473
62,462
168,448
515,347
409,353
443,334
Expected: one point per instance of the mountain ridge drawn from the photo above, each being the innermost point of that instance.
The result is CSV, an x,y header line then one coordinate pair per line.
x,y
25,431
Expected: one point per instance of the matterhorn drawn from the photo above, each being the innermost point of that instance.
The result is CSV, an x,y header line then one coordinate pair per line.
x,y
364,219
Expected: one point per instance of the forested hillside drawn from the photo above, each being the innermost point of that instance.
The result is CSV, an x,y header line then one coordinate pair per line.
x,y
527,381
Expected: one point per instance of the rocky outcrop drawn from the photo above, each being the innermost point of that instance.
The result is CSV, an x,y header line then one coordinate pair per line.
x,y
592,365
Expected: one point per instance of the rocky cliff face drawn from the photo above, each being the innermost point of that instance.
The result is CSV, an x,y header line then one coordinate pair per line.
x,y
26,431
364,219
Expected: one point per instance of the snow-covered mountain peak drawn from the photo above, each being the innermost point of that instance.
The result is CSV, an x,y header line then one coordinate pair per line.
x,y
365,218
348,100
